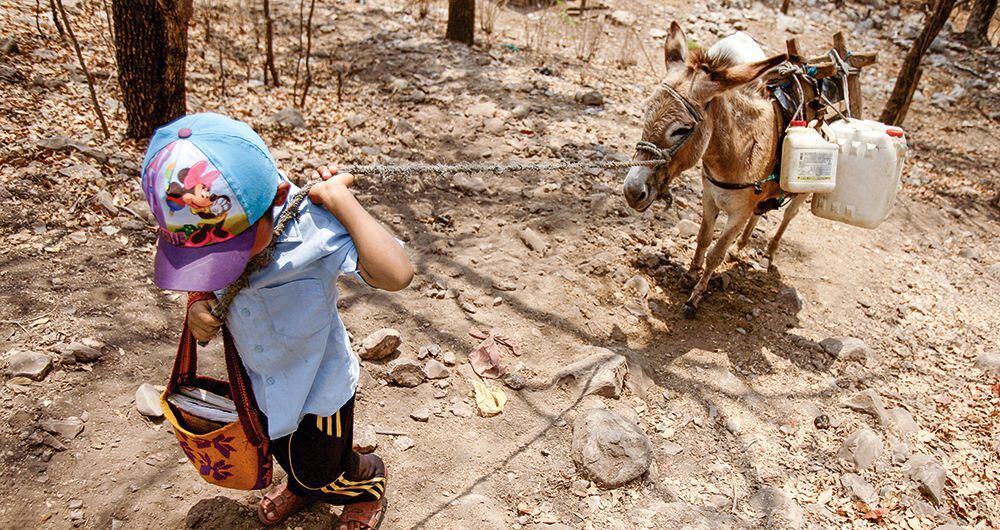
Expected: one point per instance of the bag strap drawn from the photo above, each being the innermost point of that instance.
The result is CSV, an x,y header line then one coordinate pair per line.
x,y
186,368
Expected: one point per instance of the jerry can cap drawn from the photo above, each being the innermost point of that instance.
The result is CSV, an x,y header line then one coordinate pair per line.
x,y
798,123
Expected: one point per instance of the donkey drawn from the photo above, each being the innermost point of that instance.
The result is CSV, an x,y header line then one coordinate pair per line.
x,y
712,107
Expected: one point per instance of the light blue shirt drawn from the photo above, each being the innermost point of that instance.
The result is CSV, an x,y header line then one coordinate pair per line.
x,y
286,326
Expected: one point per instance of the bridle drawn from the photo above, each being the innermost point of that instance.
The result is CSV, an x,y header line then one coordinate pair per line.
x,y
668,154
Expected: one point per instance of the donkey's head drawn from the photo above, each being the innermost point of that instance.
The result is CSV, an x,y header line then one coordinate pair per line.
x,y
678,121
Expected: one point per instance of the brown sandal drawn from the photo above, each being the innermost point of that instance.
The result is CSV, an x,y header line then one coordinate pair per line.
x,y
279,504
368,515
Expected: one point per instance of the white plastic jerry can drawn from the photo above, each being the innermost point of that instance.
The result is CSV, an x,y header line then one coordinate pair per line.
x,y
808,161
868,173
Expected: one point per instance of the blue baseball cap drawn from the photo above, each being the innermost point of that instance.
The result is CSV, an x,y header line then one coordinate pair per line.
x,y
208,179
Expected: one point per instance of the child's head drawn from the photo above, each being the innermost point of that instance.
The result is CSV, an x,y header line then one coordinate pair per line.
x,y
211,185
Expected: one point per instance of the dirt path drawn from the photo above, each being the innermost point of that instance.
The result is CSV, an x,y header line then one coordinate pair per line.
x,y
729,401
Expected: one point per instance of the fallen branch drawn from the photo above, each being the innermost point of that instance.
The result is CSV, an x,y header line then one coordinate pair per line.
x,y
86,71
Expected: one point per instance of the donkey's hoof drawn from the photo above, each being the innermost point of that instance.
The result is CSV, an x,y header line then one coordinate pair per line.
x,y
689,311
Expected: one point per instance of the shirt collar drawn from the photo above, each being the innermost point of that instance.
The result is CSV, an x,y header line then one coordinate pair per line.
x,y
291,233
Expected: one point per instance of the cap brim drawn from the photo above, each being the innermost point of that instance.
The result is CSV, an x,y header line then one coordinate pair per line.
x,y
207,268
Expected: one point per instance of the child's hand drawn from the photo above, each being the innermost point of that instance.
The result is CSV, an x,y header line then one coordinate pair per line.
x,y
203,325
334,188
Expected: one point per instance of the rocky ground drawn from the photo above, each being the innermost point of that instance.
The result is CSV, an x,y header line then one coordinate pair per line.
x,y
854,386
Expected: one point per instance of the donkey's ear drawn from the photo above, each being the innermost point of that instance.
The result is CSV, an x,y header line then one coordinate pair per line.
x,y
675,49
741,74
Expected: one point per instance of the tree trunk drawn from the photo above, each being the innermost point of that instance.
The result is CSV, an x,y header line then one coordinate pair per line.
x,y
461,20
269,45
895,108
979,22
151,52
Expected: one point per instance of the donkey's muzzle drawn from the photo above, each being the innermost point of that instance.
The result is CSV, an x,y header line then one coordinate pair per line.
x,y
639,187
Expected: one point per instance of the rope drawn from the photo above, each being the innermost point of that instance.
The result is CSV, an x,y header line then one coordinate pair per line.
x,y
291,211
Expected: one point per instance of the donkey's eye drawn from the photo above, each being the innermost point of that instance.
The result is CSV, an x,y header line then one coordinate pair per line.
x,y
682,131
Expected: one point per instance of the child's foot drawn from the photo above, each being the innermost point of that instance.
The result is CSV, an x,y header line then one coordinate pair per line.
x,y
278,504
363,515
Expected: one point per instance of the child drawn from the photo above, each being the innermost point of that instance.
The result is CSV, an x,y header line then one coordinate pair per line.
x,y
216,194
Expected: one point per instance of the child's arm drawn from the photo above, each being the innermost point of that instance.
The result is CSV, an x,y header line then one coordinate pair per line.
x,y
381,260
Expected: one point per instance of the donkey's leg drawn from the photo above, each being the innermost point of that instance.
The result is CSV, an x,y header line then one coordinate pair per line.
x,y
790,213
737,253
709,213
735,222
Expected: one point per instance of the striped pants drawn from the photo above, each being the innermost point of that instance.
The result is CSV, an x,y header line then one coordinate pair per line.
x,y
320,461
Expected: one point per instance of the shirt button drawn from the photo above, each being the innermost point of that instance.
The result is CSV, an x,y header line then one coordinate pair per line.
x,y
270,380
258,348
245,312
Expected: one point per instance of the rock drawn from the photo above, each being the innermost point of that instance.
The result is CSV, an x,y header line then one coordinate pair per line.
x,y
609,449
929,476
900,452
989,362
515,381
365,439
81,352
859,489
780,510
141,208
68,428
9,46
848,349
449,358
638,285
521,111
599,204
687,228
356,120
380,344
403,443
592,98
494,126
903,420
106,202
470,184
289,117
533,241
462,410
435,370
429,350
822,421
31,364
422,415
147,401
672,449
861,449
623,18
406,372
869,402
485,109
601,373
790,297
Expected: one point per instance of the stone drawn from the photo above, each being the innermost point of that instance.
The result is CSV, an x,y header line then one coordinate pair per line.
x,y
929,476
406,372
592,98
147,401
521,111
462,410
289,117
422,415
515,381
106,202
403,443
638,285
469,184
494,126
859,489
609,449
449,358
435,370
869,402
861,449
31,364
848,349
532,240
141,208
623,18
790,297
68,428
429,350
989,362
780,510
687,228
356,120
365,439
81,352
900,452
671,449
903,421
601,372
485,109
380,344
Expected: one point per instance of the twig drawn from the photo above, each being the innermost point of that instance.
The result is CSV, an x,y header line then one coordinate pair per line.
x,y
129,210
83,65
387,432
18,324
309,39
